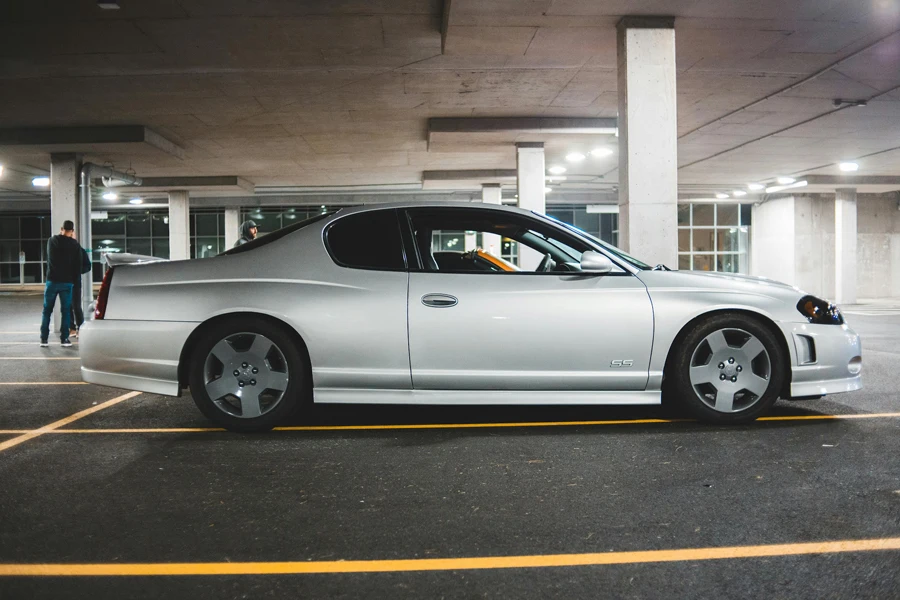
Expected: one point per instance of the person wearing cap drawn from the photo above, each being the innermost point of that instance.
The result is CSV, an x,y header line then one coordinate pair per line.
x,y
247,233
64,267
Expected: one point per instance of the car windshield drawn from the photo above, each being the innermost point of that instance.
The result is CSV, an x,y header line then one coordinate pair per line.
x,y
608,247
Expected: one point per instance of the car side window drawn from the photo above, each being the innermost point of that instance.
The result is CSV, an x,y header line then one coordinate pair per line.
x,y
367,240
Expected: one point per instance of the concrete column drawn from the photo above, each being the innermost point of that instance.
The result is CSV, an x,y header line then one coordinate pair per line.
x,y
179,225
530,181
648,165
232,223
63,201
845,245
491,193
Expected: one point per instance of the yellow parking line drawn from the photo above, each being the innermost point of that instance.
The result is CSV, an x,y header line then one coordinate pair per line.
x,y
63,422
446,564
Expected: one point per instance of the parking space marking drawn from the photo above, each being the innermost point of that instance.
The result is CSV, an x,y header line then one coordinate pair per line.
x,y
65,421
447,564
452,425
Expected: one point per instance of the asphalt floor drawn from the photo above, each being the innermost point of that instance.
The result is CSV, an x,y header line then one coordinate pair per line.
x,y
109,495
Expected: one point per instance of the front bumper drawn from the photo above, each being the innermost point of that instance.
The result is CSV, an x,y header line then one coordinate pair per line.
x,y
825,359
134,355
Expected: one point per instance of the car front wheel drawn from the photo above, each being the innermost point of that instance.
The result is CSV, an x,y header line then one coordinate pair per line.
x,y
728,369
247,375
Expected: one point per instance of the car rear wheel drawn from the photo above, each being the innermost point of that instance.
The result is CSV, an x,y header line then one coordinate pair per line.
x,y
729,369
248,375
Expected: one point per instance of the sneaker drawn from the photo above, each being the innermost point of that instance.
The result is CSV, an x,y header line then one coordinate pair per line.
x,y
44,344
66,344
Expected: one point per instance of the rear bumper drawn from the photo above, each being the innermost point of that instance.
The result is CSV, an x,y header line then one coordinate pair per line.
x,y
134,355
826,359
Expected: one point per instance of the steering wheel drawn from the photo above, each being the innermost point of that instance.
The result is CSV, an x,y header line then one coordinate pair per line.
x,y
547,264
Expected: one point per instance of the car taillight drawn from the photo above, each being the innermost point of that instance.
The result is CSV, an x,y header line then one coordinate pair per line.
x,y
100,306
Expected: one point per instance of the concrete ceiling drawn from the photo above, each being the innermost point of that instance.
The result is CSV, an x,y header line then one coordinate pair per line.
x,y
338,93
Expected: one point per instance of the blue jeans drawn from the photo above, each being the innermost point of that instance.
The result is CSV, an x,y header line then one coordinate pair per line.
x,y
64,290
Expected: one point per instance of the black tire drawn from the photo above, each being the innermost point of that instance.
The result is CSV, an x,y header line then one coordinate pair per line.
x,y
296,396
696,399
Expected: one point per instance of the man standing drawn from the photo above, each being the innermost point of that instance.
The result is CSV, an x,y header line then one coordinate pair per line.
x,y
63,268
247,233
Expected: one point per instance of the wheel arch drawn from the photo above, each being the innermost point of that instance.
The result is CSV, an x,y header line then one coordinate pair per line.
x,y
198,333
764,320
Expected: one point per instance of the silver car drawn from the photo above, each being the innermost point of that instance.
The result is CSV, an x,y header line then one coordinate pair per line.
x,y
352,307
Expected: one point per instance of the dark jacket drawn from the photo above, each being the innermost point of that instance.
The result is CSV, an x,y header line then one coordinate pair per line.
x,y
65,259
86,266
246,236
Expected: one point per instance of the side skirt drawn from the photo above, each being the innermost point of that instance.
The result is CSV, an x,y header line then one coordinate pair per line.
x,y
482,397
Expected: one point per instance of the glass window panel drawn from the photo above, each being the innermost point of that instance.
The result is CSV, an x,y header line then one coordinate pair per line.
x,y
703,262
703,215
138,225
32,249
97,272
9,228
746,211
704,240
220,221
45,227
728,240
566,215
103,244
684,262
33,272
161,227
606,227
31,228
161,247
138,246
727,215
367,240
206,247
684,214
589,222
728,263
9,273
207,225
9,251
684,240
114,225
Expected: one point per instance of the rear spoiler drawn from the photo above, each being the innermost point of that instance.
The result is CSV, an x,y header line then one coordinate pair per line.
x,y
112,259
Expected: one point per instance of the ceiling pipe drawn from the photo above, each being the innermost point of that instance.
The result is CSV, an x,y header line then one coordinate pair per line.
x,y
90,171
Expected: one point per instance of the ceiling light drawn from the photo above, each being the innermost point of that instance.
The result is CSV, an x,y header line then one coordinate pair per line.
x,y
557,170
722,196
754,187
40,182
1,170
788,186
322,207
848,166
574,157
785,180
547,190
110,196
601,152
738,193
136,201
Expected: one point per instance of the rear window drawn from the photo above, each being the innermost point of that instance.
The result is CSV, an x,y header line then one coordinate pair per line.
x,y
367,240
276,235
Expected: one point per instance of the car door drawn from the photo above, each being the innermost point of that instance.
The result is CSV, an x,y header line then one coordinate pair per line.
x,y
518,330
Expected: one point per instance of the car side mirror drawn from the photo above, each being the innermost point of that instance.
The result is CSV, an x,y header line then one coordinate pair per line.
x,y
595,263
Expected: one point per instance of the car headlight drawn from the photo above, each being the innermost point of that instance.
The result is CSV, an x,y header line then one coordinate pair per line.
x,y
820,312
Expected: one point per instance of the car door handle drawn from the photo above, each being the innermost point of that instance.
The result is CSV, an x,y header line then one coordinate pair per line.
x,y
439,300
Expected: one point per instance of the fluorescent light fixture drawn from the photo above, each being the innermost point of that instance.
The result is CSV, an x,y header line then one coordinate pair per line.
x,y
1,170
557,170
601,152
784,181
574,157
787,186
108,4
738,193
722,196
547,190
41,182
136,201
110,196
322,207
755,187
107,242
848,166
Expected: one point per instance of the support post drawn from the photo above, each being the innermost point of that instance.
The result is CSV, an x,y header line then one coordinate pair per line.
x,y
491,193
530,181
845,237
232,223
63,202
648,137
179,225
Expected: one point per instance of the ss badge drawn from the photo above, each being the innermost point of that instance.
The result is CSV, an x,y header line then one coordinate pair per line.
x,y
618,364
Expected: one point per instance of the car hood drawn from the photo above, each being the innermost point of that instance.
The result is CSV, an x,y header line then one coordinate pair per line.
x,y
732,282
751,279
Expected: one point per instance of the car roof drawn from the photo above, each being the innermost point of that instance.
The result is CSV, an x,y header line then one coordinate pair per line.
x,y
432,204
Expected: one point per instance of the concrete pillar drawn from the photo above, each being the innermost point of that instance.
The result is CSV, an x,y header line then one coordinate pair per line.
x,y
530,181
232,223
845,245
64,170
648,137
491,193
179,225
